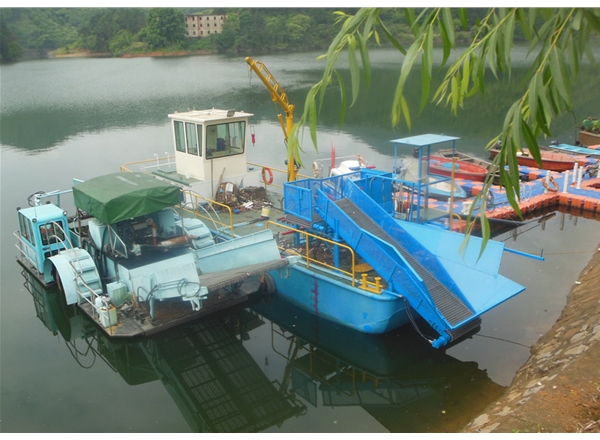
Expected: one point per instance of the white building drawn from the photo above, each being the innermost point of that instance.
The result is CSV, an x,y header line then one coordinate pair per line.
x,y
198,26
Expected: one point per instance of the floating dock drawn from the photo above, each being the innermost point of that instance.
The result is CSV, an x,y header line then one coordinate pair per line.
x,y
539,190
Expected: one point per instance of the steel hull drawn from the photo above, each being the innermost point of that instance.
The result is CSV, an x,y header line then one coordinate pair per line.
x,y
346,305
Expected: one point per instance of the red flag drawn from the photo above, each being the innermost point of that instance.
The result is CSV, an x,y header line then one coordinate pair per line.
x,y
332,155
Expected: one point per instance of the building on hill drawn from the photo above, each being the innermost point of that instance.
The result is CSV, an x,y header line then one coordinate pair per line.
x,y
198,26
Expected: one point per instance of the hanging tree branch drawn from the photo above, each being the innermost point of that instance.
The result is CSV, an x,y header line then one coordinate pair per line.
x,y
561,37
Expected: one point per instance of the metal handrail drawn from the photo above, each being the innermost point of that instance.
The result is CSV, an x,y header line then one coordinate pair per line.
x,y
124,168
195,197
351,274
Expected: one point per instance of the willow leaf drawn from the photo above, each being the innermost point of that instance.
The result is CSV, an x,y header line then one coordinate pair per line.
x,y
464,19
376,34
485,233
449,25
513,166
354,69
516,127
542,119
576,22
481,74
509,30
364,55
407,65
564,71
312,113
392,39
532,96
592,18
409,14
524,23
343,98
446,43
455,94
426,67
368,25
531,141
466,75
573,52
405,110
544,104
491,54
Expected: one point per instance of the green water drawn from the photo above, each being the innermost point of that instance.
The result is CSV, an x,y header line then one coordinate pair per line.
x,y
79,118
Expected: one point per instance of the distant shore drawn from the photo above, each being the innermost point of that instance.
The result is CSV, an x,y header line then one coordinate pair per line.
x,y
84,54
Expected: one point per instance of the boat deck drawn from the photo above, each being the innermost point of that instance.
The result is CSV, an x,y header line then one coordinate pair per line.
x,y
225,289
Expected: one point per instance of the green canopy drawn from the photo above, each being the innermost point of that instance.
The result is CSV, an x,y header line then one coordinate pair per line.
x,y
120,196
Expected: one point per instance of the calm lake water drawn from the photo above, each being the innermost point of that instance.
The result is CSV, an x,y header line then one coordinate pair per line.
x,y
271,368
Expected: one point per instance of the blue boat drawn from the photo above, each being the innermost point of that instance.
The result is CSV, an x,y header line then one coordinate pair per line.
x,y
414,270
574,149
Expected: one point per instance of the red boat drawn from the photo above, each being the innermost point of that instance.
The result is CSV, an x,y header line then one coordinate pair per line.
x,y
462,170
550,161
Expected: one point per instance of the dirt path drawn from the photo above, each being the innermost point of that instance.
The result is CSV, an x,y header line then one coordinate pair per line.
x,y
558,389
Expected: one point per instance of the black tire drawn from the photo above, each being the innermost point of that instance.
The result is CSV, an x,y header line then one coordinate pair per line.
x,y
268,284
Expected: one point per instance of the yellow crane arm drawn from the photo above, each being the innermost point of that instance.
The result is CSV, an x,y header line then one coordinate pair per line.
x,y
279,96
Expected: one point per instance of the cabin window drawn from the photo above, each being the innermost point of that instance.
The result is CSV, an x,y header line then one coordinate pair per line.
x,y
179,136
192,142
26,229
225,139
51,232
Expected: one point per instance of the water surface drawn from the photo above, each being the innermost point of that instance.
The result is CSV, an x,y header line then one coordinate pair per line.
x,y
80,118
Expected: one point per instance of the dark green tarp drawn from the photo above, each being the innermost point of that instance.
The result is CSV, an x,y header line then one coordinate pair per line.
x,y
120,196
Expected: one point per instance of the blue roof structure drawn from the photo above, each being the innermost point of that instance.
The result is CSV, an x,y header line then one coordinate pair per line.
x,y
424,140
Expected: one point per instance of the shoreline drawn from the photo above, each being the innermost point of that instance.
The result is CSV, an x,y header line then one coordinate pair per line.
x,y
558,388
182,53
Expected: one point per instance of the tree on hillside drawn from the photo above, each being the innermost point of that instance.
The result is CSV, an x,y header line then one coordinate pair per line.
x,y
106,24
560,37
165,27
10,49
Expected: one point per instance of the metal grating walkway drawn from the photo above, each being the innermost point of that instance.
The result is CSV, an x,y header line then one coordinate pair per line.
x,y
449,305
217,381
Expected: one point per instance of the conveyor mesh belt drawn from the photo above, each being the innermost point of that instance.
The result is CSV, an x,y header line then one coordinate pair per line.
x,y
449,305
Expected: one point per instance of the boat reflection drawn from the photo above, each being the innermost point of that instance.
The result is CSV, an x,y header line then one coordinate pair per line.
x,y
398,378
204,365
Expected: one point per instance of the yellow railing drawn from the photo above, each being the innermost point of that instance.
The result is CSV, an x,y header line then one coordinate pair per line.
x,y
204,214
157,160
374,287
308,258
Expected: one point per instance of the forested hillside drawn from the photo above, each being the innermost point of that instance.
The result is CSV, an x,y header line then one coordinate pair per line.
x,y
36,32
41,32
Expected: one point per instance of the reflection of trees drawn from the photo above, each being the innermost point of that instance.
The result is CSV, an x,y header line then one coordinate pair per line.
x,y
482,116
40,128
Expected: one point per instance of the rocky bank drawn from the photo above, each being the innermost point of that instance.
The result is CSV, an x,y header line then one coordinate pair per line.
x,y
558,389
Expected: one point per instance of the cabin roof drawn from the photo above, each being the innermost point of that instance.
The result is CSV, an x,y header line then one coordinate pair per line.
x,y
43,213
211,115
119,196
